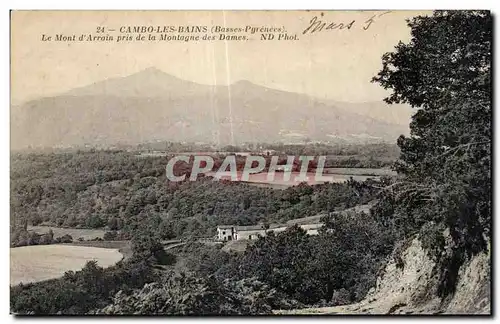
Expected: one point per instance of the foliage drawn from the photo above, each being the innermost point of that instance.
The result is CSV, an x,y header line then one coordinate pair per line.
x,y
433,239
204,260
66,238
186,294
131,196
445,72
148,248
383,153
22,237
309,269
124,192
78,292
93,287
110,236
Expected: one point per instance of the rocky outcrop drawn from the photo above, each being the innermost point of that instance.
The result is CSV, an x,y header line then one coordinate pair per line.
x,y
410,287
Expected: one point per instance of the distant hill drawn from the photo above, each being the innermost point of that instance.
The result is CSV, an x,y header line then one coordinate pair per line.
x,y
396,113
153,105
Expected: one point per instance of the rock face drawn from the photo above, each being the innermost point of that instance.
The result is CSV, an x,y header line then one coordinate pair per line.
x,y
473,295
411,289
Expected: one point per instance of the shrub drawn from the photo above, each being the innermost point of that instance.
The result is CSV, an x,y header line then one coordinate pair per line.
x,y
186,294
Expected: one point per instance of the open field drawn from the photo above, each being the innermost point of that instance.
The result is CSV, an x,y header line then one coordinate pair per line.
x,y
157,154
280,181
85,233
42,262
124,247
360,171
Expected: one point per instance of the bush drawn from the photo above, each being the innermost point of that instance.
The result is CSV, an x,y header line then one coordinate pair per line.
x,y
110,236
66,238
340,297
186,294
347,254
78,292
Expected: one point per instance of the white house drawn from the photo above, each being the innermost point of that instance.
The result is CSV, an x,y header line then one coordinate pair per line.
x,y
226,233
252,232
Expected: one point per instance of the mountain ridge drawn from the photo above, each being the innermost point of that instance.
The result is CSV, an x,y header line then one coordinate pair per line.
x,y
153,105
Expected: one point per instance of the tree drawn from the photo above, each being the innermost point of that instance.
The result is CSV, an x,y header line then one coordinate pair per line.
x,y
110,236
47,238
147,247
186,294
113,224
444,72
94,221
448,55
66,238
34,238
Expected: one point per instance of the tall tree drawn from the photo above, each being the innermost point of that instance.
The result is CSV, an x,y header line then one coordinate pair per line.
x,y
445,73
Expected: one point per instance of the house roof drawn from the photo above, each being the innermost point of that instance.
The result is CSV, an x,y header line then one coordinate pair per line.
x,y
258,227
249,228
225,226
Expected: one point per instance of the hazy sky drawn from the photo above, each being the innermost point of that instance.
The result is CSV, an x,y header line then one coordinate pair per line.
x,y
336,64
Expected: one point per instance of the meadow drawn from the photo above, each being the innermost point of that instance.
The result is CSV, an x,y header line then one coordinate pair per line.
x,y
43,262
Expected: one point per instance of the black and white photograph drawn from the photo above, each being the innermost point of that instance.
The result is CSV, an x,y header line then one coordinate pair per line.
x,y
282,163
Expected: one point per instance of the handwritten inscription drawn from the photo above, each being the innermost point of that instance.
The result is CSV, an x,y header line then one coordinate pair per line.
x,y
318,25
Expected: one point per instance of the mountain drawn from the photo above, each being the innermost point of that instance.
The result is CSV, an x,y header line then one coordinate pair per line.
x,y
396,113
149,83
153,105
